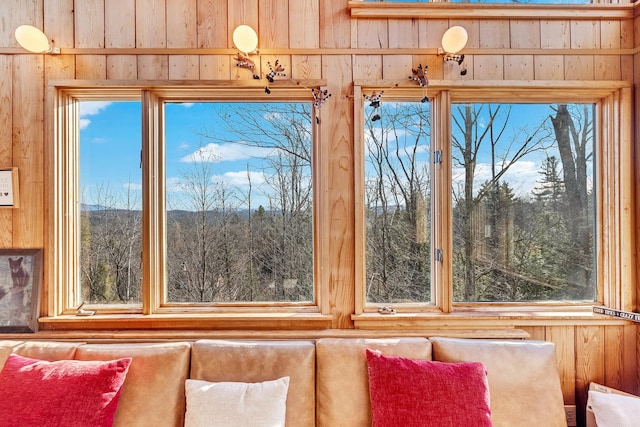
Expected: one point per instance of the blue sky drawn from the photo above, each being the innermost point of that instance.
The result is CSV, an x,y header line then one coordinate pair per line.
x,y
110,140
524,121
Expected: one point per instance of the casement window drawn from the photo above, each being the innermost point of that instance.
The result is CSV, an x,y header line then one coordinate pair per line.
x,y
174,200
494,198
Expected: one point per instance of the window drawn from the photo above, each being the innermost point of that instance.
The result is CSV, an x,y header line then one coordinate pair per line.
x,y
110,201
475,201
184,199
522,198
397,202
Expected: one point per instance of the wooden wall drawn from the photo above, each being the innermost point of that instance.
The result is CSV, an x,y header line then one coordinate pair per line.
x,y
314,39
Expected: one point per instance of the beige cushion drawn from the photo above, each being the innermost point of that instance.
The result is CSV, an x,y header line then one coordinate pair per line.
x,y
342,379
610,407
153,392
233,404
524,382
257,361
42,350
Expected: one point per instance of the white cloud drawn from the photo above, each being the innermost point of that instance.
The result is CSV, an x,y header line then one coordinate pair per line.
x,y
522,176
91,108
226,153
240,179
132,186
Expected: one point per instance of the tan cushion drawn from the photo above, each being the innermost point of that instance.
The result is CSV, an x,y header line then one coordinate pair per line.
x,y
524,382
257,361
43,350
153,392
342,379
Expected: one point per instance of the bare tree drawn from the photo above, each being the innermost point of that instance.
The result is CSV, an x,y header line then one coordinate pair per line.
x,y
397,200
111,237
476,127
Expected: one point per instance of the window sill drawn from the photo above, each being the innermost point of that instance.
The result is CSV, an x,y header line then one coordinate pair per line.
x,y
195,321
362,9
486,319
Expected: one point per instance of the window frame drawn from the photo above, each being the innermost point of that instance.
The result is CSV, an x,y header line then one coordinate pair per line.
x,y
62,301
614,183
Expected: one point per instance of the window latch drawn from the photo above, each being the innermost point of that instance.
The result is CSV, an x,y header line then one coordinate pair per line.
x,y
439,255
437,156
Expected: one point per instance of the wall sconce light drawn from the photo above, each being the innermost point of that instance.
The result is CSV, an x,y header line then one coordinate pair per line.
x,y
246,40
453,41
34,40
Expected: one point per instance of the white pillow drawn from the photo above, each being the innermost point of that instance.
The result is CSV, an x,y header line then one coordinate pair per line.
x,y
614,410
233,404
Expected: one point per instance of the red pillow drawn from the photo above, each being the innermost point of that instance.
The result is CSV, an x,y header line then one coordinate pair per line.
x,y
38,393
423,393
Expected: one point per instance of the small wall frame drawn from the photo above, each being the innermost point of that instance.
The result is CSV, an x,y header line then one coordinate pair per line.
x,y
20,282
9,195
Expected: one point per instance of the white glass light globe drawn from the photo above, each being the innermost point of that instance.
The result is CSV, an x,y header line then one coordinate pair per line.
x,y
245,39
32,39
454,39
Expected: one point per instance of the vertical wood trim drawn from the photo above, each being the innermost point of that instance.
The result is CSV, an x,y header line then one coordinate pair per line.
x,y
184,67
89,23
304,18
151,23
182,28
614,352
119,24
628,244
360,232
518,67
6,150
336,26
215,67
589,353
274,23
153,67
563,338
27,149
153,201
122,67
59,25
91,67
306,67
338,215
442,233
212,23
403,33
57,202
321,226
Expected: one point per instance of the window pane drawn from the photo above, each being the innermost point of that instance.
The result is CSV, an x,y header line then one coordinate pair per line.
x,y
111,201
397,202
239,202
523,202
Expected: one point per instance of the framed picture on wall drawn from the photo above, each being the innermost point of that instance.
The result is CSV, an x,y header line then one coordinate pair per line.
x,y
9,195
20,282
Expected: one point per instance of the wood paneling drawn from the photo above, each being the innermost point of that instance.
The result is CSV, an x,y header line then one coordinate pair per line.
x,y
6,150
593,48
27,148
89,23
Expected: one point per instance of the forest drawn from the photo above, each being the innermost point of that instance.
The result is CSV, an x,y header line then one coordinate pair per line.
x,y
521,199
